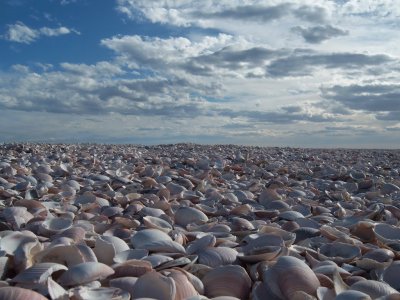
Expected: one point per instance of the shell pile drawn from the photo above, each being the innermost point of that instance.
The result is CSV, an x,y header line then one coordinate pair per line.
x,y
188,221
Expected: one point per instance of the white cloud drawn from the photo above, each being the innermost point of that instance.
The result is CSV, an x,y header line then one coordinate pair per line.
x,y
21,33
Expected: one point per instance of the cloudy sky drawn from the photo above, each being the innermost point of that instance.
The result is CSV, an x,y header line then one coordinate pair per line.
x,y
309,73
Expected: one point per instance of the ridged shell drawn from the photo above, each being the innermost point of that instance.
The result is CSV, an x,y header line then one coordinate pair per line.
x,y
374,288
38,273
17,293
155,285
230,280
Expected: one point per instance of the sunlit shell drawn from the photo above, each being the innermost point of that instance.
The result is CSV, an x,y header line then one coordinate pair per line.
x,y
387,233
148,236
85,273
102,293
187,215
217,256
157,223
107,247
130,254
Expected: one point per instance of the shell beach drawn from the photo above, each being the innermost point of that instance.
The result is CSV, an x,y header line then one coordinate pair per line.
x,y
189,221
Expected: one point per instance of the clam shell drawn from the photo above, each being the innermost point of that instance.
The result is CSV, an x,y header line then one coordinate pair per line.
x,y
217,256
187,215
101,293
38,273
154,285
373,288
339,252
107,247
85,273
148,236
229,280
17,293
290,275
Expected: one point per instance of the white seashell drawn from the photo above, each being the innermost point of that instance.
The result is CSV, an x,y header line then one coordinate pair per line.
x,y
187,215
130,254
147,236
106,247
85,273
101,293
38,273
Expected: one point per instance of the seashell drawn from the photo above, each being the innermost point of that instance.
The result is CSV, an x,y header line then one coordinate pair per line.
x,y
229,280
288,237
17,293
267,196
38,273
290,275
84,273
217,256
68,255
155,285
352,295
157,259
201,244
132,268
147,236
290,215
339,252
124,283
266,254
187,215
387,233
373,288
157,223
55,290
53,226
390,275
184,287
16,216
106,247
130,254
101,293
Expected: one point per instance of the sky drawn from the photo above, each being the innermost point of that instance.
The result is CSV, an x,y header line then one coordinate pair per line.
x,y
309,73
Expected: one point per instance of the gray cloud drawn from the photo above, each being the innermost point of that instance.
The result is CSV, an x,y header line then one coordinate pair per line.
x,y
303,65
250,13
381,99
288,115
318,34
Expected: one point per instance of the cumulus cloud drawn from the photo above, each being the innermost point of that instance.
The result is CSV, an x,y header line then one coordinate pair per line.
x,y
318,34
21,33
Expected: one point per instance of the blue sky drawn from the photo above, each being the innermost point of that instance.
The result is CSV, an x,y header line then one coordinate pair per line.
x,y
311,73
